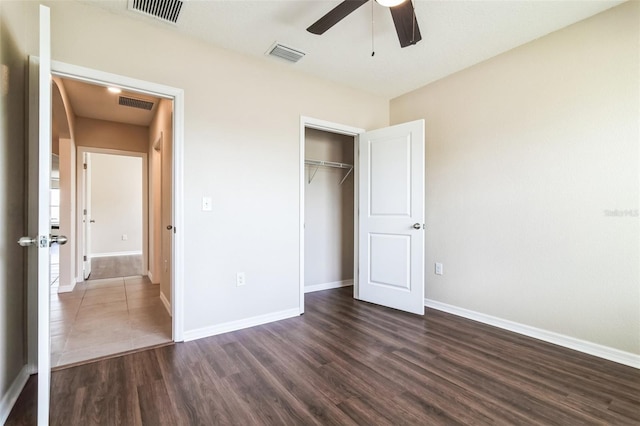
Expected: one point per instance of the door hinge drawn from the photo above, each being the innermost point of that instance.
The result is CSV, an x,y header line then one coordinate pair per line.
x,y
84,258
84,166
84,212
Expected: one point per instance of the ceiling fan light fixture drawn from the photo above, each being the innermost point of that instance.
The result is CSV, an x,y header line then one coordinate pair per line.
x,y
390,3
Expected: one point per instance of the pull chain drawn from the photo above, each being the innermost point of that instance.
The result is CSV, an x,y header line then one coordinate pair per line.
x,y
373,51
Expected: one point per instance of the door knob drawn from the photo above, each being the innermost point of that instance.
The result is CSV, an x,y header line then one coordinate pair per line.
x,y
169,227
417,226
27,241
58,239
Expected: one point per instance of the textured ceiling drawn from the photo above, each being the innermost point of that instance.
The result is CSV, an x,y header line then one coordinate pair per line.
x,y
456,34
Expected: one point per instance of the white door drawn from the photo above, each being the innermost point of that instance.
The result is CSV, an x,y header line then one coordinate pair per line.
x,y
391,217
86,216
166,212
38,239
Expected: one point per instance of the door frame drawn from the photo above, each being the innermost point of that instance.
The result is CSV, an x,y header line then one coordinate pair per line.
x,y
341,129
80,183
102,78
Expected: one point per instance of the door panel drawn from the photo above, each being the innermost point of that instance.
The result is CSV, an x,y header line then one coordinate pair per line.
x,y
390,249
391,257
389,173
167,216
38,217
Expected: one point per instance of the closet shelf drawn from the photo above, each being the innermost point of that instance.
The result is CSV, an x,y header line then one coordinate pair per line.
x,y
333,164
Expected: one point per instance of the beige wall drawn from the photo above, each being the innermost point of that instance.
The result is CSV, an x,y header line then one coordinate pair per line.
x,y
116,204
64,140
16,38
68,255
166,202
242,119
156,128
328,241
526,155
109,135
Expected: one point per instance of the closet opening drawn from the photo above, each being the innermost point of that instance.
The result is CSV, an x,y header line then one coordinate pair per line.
x,y
329,210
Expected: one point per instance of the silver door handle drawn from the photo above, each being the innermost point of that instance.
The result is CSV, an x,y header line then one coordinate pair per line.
x,y
27,241
58,239
417,226
169,227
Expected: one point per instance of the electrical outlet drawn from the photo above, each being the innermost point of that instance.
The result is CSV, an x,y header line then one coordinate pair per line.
x,y
439,270
240,279
207,204
124,237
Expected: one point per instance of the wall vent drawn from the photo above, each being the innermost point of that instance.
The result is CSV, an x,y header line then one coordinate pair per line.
x,y
135,103
284,52
165,10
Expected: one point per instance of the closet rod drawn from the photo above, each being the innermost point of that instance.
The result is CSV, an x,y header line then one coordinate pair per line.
x,y
322,163
328,164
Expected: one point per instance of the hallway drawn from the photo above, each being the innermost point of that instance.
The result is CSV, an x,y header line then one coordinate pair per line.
x,y
105,317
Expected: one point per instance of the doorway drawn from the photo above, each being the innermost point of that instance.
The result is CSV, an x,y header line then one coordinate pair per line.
x,y
129,304
388,241
117,194
329,246
329,210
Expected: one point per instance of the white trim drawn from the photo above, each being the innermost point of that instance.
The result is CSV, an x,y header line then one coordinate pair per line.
x,y
327,286
12,394
177,95
590,348
239,324
117,253
177,280
66,288
150,275
165,303
327,126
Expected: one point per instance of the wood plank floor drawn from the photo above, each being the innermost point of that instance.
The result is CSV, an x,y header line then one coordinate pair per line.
x,y
346,362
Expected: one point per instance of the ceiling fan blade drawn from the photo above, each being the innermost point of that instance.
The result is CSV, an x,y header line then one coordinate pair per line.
x,y
334,16
406,24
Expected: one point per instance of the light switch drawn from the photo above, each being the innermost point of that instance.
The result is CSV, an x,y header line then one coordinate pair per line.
x,y
207,203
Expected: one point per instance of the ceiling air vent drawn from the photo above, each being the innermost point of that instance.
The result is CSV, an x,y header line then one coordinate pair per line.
x,y
284,52
165,10
135,103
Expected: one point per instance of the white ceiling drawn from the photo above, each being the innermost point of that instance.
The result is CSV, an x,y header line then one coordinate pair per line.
x,y
455,34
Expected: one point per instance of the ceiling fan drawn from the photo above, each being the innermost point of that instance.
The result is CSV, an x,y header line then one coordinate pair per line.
x,y
402,13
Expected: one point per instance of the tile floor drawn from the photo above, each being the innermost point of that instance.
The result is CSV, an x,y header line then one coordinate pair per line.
x,y
105,317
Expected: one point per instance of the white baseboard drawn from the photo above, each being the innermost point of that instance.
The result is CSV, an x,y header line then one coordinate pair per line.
x,y
150,275
608,353
10,398
116,253
67,288
166,303
239,324
327,286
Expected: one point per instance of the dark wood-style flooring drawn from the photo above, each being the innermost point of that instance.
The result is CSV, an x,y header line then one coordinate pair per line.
x,y
346,362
